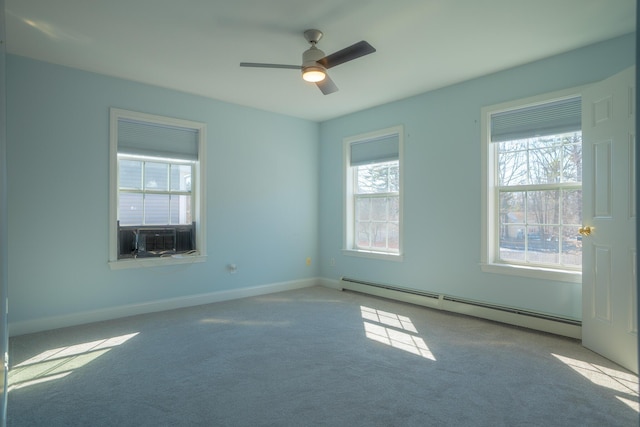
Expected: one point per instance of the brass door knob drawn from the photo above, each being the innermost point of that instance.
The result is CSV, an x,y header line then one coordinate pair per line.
x,y
585,231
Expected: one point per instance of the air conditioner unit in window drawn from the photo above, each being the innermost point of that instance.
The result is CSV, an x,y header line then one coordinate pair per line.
x,y
137,241
156,241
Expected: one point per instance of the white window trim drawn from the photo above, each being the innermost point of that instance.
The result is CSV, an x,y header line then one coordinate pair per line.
x,y
488,257
198,190
348,208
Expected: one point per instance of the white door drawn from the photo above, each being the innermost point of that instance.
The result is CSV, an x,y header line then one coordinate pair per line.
x,y
609,283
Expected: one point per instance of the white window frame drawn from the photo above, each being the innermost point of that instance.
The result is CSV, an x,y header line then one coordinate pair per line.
x,y
197,190
349,206
489,261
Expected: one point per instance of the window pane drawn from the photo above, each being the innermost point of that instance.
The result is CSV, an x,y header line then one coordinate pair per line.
x,y
543,246
515,145
394,177
512,168
572,167
130,210
378,178
379,237
180,178
363,209
365,180
512,254
571,247
552,238
572,207
545,165
130,174
512,226
534,238
363,233
543,207
394,236
180,210
394,208
156,176
512,211
379,209
156,209
544,142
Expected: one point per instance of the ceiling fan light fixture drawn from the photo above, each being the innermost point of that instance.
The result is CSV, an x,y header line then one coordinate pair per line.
x,y
315,63
314,73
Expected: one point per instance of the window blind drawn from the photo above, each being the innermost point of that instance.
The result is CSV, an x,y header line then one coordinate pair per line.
x,y
539,120
149,139
384,149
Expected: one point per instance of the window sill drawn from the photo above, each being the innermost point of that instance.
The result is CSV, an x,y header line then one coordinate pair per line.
x,y
156,262
373,255
534,272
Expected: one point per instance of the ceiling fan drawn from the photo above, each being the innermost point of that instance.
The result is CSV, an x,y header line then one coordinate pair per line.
x,y
315,64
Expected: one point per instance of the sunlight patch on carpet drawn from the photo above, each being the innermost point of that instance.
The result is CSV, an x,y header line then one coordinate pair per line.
x,y
619,381
633,404
395,331
59,362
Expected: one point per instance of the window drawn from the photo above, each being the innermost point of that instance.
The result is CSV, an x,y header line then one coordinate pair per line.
x,y
153,191
156,187
533,187
373,182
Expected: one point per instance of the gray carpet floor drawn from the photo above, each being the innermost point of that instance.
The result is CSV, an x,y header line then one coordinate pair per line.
x,y
312,357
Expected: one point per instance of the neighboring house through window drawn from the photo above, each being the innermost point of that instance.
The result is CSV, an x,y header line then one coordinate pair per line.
x,y
157,206
373,191
532,163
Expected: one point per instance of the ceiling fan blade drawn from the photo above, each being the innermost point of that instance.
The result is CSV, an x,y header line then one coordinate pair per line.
x,y
259,65
327,86
350,53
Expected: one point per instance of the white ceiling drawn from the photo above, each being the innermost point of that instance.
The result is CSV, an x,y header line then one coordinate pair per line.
x,y
196,46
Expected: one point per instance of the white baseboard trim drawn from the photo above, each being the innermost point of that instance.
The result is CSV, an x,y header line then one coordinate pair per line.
x,y
81,318
518,317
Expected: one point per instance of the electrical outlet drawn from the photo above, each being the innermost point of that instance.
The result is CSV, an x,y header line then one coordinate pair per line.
x,y
332,262
308,260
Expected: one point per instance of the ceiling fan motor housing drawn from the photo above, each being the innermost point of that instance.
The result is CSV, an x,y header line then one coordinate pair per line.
x,y
311,56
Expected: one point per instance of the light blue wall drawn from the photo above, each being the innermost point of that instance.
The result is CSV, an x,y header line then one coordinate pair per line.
x,y
262,194
442,202
274,189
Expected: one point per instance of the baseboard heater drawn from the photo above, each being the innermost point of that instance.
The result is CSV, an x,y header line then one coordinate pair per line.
x,y
514,316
